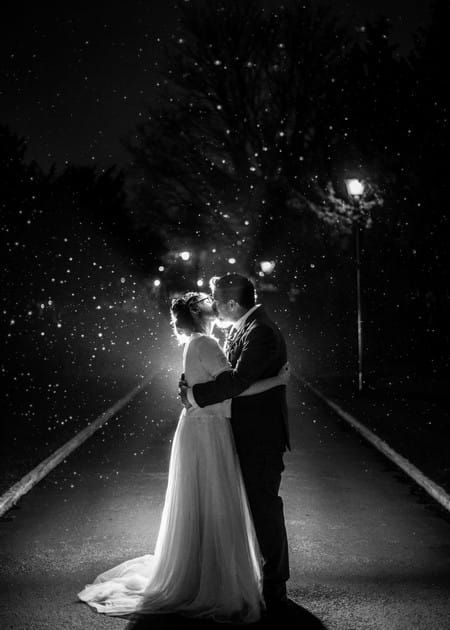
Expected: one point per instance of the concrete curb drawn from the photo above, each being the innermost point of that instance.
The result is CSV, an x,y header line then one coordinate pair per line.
x,y
434,490
11,496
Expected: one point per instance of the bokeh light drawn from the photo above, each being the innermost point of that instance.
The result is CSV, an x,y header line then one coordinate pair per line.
x,y
267,266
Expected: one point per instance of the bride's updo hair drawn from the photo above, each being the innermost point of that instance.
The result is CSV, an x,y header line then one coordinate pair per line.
x,y
183,320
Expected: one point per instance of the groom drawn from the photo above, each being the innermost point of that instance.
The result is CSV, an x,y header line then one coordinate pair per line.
x,y
256,350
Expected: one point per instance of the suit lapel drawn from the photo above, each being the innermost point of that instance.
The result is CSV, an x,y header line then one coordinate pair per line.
x,y
235,345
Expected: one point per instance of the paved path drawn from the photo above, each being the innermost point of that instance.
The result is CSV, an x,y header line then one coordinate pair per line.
x,y
368,550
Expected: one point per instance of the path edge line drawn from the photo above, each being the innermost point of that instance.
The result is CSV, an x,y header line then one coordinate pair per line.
x,y
433,489
28,481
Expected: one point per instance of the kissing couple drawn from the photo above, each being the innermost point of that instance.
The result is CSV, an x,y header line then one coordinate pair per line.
x,y
221,551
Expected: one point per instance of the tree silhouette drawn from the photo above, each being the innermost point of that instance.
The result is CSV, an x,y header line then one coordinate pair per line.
x,y
71,272
242,139
22,185
428,230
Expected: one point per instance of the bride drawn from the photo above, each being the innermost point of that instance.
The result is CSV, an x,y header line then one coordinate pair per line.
x,y
206,561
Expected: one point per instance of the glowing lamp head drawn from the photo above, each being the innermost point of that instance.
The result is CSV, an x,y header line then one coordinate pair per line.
x,y
185,256
200,283
267,266
157,282
232,261
355,187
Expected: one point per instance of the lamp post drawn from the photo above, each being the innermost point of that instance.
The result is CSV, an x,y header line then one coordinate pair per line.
x,y
355,190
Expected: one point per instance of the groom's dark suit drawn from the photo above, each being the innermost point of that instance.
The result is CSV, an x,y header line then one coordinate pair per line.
x,y
260,429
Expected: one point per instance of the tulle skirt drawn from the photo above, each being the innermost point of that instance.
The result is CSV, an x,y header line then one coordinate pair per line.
x,y
207,561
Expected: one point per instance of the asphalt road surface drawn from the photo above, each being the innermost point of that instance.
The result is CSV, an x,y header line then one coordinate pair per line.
x,y
368,549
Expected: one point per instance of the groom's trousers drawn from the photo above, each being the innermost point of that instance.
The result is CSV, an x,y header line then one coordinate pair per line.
x,y
262,477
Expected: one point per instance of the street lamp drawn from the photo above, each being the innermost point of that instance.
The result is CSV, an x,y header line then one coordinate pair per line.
x,y
355,190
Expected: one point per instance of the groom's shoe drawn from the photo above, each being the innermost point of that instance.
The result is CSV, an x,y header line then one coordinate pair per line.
x,y
275,595
287,614
275,607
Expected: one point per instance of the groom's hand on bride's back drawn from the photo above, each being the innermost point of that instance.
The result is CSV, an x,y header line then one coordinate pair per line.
x,y
182,391
182,382
285,373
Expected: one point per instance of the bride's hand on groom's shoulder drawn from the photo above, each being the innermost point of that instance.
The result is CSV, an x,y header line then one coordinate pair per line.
x,y
285,373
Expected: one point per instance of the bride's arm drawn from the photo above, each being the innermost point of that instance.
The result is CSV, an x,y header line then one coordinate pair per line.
x,y
215,362
263,385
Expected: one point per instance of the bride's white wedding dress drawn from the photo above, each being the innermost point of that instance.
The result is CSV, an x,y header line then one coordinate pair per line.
x,y
206,561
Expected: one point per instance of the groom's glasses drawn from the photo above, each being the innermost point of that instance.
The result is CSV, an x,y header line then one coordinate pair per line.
x,y
194,301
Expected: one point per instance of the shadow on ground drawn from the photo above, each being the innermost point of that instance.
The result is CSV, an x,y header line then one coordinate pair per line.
x,y
294,616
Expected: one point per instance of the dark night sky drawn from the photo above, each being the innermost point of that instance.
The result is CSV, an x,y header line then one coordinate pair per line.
x,y
76,76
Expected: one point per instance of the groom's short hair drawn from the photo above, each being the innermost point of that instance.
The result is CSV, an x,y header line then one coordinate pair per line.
x,y
233,286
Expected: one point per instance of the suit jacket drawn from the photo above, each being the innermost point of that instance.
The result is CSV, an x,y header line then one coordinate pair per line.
x,y
258,351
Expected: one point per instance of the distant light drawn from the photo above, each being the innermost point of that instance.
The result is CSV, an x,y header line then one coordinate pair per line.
x,y
161,268
214,250
185,256
267,266
157,282
122,280
355,187
232,261
200,283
